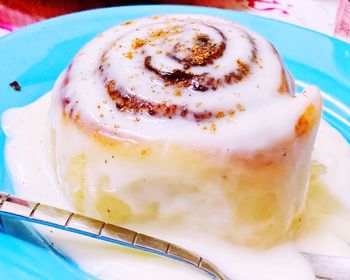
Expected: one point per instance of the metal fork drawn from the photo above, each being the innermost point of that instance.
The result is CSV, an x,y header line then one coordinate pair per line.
x,y
325,267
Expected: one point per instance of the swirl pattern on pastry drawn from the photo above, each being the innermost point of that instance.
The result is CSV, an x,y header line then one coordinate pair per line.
x,y
200,72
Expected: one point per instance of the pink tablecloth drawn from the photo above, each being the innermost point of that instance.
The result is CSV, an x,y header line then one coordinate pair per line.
x,y
319,15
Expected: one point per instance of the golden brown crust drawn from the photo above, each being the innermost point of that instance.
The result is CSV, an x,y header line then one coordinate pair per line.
x,y
306,121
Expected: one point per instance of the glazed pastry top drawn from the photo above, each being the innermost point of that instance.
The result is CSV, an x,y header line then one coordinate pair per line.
x,y
192,79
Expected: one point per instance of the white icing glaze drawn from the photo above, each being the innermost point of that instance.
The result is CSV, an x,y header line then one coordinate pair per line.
x,y
268,115
33,178
268,119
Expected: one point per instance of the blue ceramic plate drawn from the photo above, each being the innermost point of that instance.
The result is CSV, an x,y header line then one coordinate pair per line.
x,y
35,55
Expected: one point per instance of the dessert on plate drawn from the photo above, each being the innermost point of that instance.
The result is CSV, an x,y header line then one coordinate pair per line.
x,y
185,120
187,128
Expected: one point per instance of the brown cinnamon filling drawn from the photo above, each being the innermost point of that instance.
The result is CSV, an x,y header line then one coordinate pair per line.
x,y
133,104
207,52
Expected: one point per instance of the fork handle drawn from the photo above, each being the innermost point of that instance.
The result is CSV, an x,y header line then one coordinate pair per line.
x,y
34,212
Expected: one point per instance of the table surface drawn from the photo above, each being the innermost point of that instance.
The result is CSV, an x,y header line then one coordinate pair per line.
x,y
319,15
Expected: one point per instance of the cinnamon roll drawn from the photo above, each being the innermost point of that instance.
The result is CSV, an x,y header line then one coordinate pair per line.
x,y
185,120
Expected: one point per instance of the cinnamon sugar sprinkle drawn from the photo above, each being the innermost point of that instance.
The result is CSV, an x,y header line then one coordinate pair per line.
x,y
138,43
